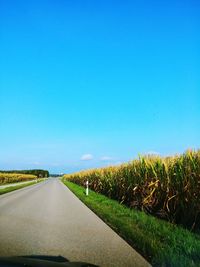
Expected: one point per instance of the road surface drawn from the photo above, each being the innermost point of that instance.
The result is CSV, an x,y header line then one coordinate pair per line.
x,y
48,219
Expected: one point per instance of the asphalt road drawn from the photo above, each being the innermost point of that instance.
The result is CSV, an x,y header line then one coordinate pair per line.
x,y
47,219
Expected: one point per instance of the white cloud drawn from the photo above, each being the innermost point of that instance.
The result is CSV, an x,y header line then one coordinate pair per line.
x,y
105,158
87,157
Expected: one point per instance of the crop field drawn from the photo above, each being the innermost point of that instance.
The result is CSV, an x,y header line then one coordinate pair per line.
x,y
166,187
6,178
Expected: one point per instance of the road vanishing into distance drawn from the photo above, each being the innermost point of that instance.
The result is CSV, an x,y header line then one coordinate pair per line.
x,y
48,219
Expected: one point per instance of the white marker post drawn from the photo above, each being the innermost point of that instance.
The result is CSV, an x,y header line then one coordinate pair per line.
x,y
87,189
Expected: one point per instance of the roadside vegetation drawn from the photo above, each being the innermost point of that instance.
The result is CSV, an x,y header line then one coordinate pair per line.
x,y
6,178
37,172
160,242
19,186
167,188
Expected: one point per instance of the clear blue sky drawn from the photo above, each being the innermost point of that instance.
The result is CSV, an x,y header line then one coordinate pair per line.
x,y
91,83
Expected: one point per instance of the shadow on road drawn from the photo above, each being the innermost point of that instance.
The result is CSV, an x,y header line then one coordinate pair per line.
x,y
41,261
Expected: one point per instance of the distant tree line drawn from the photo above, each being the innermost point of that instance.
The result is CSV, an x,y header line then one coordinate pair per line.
x,y
39,173
55,175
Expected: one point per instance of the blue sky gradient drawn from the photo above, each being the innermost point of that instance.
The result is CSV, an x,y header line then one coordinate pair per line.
x,y
106,78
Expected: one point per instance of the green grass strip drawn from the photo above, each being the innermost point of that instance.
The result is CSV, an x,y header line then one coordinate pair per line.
x,y
160,242
13,188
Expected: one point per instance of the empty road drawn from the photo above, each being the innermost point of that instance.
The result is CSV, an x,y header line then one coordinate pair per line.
x,y
48,219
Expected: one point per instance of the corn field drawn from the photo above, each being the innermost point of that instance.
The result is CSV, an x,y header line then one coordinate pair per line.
x,y
168,188
15,177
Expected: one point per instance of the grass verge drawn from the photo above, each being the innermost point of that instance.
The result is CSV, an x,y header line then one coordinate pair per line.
x,y
161,243
12,188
